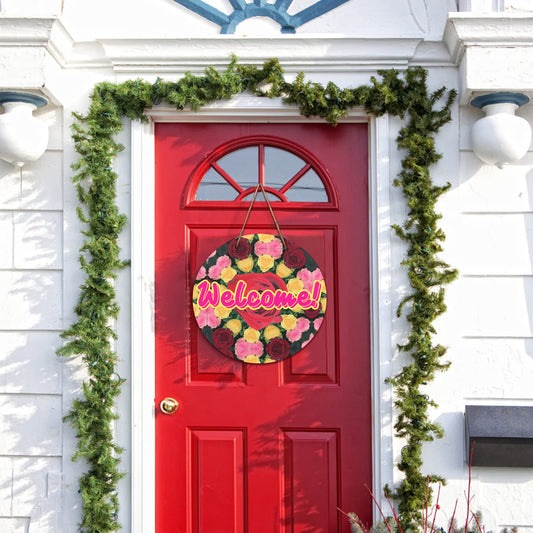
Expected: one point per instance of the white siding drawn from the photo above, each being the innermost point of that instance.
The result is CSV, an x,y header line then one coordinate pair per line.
x,y
488,328
31,318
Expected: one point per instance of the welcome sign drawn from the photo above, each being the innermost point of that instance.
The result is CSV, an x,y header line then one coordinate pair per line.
x,y
258,300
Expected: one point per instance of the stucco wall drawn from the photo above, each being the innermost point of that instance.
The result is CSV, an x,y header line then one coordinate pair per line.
x,y
487,215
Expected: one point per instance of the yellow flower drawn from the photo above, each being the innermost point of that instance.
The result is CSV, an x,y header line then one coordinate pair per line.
x,y
228,274
234,325
195,292
222,312
297,308
196,309
283,270
271,332
268,360
251,359
245,264
295,285
323,302
324,286
248,237
265,237
265,262
288,322
251,335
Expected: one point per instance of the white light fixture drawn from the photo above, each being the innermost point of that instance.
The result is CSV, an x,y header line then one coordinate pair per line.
x,y
23,137
500,137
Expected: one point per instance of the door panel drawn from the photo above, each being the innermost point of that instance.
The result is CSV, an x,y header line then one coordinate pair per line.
x,y
217,479
276,447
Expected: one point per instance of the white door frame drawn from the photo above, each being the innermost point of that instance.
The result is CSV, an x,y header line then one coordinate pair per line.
x,y
246,108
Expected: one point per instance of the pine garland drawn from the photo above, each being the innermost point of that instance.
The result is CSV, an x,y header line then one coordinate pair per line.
x,y
93,336
427,276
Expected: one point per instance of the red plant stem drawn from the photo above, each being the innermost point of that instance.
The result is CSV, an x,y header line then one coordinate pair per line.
x,y
481,529
451,528
436,509
394,513
425,524
379,509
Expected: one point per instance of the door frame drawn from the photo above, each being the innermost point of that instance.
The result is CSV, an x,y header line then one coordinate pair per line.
x,y
141,438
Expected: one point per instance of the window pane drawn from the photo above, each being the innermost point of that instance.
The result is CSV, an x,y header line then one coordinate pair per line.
x,y
214,187
242,165
309,188
280,166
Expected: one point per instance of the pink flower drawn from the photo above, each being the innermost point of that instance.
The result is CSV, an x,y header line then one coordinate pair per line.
x,y
308,278
294,335
304,344
244,348
224,261
274,248
201,273
302,324
207,317
317,323
216,270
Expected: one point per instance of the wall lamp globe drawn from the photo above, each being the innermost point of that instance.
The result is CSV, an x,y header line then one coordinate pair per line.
x,y
23,137
500,137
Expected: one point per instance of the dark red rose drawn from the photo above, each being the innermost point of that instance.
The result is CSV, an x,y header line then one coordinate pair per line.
x,y
259,318
222,338
239,249
294,257
278,349
311,313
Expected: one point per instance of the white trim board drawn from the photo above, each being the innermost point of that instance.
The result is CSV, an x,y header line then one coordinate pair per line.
x,y
246,108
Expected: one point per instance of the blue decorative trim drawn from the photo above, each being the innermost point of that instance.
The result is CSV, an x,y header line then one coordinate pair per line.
x,y
206,11
260,8
499,98
27,98
238,5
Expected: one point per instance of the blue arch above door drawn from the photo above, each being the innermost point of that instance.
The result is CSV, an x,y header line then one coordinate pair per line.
x,y
260,8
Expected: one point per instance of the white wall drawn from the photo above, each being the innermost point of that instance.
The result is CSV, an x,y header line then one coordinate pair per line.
x,y
488,218
31,312
488,327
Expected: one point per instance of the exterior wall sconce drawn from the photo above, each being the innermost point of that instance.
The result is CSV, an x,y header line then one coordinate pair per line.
x,y
23,137
500,137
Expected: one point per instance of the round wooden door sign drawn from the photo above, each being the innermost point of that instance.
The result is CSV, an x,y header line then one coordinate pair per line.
x,y
258,300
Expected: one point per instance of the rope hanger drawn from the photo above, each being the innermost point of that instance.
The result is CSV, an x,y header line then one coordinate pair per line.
x,y
260,186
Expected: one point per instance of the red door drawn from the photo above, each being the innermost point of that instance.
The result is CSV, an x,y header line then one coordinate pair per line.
x,y
276,447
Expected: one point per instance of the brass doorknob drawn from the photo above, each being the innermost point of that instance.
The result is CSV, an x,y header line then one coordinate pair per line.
x,y
169,406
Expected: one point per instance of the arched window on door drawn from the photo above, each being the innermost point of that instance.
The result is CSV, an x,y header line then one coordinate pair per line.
x,y
288,173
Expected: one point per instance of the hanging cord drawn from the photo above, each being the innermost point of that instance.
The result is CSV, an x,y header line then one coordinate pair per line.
x,y
260,186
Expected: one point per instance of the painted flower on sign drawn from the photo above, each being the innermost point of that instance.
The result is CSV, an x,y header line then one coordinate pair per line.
x,y
259,318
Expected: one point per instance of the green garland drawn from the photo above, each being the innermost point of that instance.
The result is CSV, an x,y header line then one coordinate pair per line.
x,y
93,336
